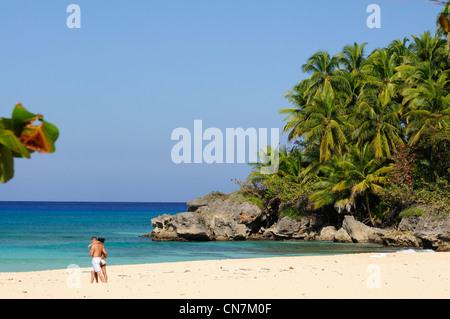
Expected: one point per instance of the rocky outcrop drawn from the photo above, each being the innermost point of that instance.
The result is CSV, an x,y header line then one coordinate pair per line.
x,y
356,232
210,219
432,231
402,239
328,233
307,227
289,229
179,227
416,231
342,236
225,219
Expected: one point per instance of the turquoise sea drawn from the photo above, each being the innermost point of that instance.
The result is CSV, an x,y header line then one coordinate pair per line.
x,y
54,235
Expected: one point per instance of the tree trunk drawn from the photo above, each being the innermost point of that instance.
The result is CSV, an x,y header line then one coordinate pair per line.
x,y
448,40
448,47
368,210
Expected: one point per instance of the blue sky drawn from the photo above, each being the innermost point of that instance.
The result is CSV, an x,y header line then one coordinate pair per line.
x,y
136,70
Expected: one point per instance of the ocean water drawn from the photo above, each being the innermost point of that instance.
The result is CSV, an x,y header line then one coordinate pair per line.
x,y
53,235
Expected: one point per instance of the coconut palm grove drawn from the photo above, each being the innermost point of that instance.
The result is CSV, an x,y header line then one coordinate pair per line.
x,y
368,134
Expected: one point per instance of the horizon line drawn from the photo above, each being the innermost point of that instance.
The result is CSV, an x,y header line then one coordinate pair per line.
x,y
83,201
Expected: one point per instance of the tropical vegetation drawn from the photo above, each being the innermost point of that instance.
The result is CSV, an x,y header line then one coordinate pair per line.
x,y
369,132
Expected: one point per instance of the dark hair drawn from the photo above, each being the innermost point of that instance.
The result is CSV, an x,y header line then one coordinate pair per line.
x,y
102,240
94,238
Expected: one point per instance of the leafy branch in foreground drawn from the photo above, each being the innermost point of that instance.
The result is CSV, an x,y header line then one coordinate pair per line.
x,y
20,136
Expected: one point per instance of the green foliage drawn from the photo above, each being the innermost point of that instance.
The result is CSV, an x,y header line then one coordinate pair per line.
x,y
286,191
215,195
290,211
239,196
435,195
412,211
20,136
365,128
357,173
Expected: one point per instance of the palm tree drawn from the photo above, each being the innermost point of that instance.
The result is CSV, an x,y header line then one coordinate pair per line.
x,y
428,48
381,66
357,173
429,108
299,98
352,58
323,123
353,62
353,112
323,68
401,50
415,74
379,124
290,165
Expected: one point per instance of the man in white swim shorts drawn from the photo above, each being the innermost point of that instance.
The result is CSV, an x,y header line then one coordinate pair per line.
x,y
97,249
96,264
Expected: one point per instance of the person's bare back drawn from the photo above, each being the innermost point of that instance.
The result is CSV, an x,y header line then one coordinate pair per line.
x,y
98,250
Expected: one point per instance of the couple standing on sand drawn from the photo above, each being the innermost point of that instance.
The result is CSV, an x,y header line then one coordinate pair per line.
x,y
98,254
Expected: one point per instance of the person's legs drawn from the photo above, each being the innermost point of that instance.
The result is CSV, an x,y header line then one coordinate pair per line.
x,y
97,269
94,276
105,275
100,275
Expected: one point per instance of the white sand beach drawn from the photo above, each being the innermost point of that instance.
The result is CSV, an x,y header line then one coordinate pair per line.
x,y
393,275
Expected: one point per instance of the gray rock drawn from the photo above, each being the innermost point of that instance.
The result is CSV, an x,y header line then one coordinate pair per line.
x,y
210,219
376,237
193,205
434,232
327,233
408,224
342,236
288,228
361,233
357,230
312,236
181,227
402,239
221,218
223,228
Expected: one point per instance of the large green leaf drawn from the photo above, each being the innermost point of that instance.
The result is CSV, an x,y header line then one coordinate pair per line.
x,y
39,138
6,164
6,124
21,115
51,130
9,140
36,137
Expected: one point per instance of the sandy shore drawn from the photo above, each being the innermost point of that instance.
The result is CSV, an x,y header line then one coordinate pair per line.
x,y
396,275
